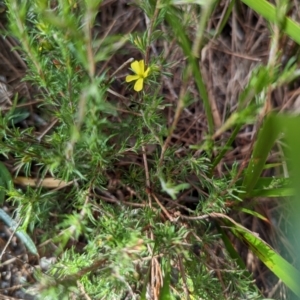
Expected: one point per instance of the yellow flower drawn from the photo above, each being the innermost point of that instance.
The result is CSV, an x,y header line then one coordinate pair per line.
x,y
138,67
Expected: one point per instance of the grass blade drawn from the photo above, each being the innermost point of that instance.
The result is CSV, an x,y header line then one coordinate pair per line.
x,y
290,125
5,180
230,249
263,145
22,235
268,11
165,292
185,44
278,265
271,193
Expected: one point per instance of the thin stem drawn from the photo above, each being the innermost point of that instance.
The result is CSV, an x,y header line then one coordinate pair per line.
x,y
150,30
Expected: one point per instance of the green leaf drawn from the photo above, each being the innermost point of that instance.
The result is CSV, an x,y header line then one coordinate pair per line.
x,y
268,11
224,19
254,213
290,125
278,265
146,281
165,292
262,147
230,249
271,193
172,189
22,235
273,182
5,181
185,43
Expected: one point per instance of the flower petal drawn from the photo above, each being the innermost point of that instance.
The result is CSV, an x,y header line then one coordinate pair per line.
x,y
138,86
135,66
146,73
142,67
131,78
